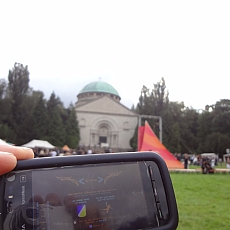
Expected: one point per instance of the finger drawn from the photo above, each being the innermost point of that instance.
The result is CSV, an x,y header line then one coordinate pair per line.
x,y
8,161
21,153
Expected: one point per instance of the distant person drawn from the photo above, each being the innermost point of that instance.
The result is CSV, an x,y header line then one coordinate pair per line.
x,y
220,161
89,151
53,153
42,153
213,162
79,151
206,166
228,163
186,161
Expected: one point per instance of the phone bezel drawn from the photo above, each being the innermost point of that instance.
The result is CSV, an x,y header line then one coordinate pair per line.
x,y
49,162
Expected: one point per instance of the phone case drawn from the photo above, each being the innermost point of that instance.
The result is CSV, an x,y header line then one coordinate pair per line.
x,y
61,161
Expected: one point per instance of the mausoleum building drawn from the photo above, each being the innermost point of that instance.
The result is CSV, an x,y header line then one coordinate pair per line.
x,y
103,120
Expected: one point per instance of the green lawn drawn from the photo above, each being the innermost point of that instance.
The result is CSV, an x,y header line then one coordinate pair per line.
x,y
203,200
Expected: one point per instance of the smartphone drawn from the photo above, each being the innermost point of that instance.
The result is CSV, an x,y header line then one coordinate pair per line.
x,y
116,191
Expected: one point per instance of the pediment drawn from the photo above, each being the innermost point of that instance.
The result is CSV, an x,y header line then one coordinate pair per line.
x,y
105,105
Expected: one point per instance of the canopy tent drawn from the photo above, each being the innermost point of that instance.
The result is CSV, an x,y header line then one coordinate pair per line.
x,y
65,148
3,142
209,155
39,144
148,141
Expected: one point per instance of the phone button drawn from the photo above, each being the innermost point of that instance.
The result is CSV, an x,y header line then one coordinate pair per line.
x,y
151,172
159,210
155,191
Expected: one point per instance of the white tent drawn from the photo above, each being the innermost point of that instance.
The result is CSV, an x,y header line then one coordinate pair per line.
x,y
209,155
39,144
3,142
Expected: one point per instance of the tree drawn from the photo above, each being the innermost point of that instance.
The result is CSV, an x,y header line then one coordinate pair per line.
x,y
18,87
172,117
26,115
3,85
216,143
71,127
18,83
4,102
56,133
175,140
134,140
179,123
153,101
7,133
221,117
160,96
40,119
189,129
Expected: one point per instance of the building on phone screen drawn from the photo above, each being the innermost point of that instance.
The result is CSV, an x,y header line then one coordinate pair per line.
x,y
103,121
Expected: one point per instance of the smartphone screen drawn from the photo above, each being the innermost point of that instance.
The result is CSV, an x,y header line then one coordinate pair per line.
x,y
101,196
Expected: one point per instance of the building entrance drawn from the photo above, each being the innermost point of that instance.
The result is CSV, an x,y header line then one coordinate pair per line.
x,y
102,139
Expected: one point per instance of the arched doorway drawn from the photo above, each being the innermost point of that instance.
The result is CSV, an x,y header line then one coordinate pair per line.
x,y
103,134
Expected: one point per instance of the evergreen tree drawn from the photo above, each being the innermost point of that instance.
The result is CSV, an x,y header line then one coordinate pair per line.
x,y
216,143
18,93
174,143
153,102
71,128
204,129
221,118
26,115
7,134
55,128
4,102
40,119
179,123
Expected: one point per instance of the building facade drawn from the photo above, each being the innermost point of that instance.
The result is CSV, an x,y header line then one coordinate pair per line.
x,y
103,121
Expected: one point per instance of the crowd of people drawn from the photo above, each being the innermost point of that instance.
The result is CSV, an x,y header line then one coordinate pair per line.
x,y
44,152
206,162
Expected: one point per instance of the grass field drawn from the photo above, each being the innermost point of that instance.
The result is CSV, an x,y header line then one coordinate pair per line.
x,y
203,200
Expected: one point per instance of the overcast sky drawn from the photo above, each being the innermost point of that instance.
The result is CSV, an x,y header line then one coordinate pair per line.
x,y
128,44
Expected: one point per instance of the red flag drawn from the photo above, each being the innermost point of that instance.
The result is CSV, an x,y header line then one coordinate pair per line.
x,y
149,142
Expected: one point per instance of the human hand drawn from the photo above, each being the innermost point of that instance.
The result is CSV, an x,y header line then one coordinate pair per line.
x,y
9,156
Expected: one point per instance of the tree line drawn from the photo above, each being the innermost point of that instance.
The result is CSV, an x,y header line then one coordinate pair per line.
x,y
26,115
185,130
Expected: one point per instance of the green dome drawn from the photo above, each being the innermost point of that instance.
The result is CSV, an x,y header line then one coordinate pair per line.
x,y
99,86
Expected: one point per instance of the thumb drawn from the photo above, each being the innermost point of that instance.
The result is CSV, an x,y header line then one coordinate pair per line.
x,y
7,162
